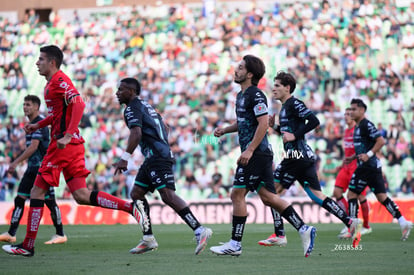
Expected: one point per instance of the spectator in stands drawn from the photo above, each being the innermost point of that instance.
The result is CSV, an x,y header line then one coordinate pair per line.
x,y
396,102
407,185
381,130
400,122
190,180
336,74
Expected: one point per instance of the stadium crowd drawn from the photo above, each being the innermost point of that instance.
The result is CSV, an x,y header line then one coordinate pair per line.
x,y
182,55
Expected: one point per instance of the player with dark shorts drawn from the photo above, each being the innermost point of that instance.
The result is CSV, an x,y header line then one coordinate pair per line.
x,y
254,169
295,120
346,170
36,146
149,132
368,141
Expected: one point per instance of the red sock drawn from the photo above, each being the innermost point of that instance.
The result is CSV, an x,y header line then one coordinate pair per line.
x,y
365,213
343,203
106,200
33,221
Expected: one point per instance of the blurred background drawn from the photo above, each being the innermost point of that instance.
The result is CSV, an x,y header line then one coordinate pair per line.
x,y
184,52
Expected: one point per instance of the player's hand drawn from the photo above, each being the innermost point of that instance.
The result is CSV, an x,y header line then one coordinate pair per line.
x,y
272,120
348,160
62,142
30,128
12,168
363,157
288,137
218,132
245,157
120,166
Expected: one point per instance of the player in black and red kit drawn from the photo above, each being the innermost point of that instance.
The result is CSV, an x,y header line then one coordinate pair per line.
x,y
66,152
36,146
368,141
344,177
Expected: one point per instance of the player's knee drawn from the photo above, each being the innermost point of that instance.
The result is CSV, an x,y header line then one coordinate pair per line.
x,y
82,196
237,194
137,193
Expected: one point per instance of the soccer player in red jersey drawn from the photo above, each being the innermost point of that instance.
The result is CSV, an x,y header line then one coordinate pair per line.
x,y
66,152
344,177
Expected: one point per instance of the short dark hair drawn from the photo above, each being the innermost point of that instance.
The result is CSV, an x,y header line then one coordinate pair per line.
x,y
33,98
53,53
133,83
359,103
286,79
255,66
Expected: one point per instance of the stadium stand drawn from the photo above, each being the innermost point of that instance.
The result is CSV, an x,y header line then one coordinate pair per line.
x,y
184,60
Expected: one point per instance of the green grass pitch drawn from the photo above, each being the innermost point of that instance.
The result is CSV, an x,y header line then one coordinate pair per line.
x,y
104,250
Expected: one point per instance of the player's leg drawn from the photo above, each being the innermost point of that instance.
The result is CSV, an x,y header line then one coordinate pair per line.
x,y
278,238
37,201
281,182
308,178
56,216
75,175
202,233
379,190
341,185
23,193
307,233
366,228
238,198
148,241
17,214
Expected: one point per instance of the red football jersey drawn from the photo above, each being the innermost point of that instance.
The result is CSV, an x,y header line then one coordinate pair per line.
x,y
59,93
349,147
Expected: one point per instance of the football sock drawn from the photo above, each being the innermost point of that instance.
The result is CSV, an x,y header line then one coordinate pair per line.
x,y
278,223
292,217
147,211
105,200
189,218
365,213
33,221
333,208
343,203
353,208
238,228
16,215
392,208
56,216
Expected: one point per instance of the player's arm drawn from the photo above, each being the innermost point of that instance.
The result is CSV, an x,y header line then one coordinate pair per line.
x,y
263,123
78,106
218,132
25,155
311,123
31,127
135,136
273,125
379,142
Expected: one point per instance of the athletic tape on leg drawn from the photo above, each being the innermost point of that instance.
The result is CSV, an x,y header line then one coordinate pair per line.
x,y
311,195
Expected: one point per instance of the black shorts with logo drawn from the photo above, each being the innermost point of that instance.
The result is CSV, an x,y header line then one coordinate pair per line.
x,y
256,174
26,184
365,175
156,173
303,171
